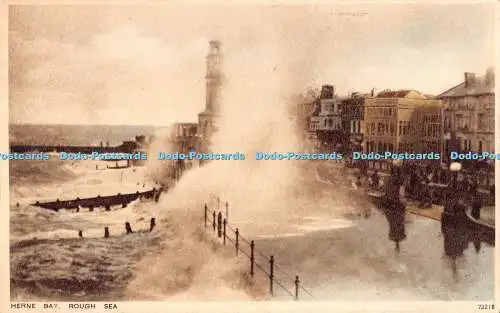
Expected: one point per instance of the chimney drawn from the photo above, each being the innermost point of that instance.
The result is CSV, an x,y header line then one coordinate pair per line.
x,y
490,76
373,92
469,79
327,92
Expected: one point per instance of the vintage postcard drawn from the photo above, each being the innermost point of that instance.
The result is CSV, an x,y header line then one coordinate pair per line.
x,y
297,155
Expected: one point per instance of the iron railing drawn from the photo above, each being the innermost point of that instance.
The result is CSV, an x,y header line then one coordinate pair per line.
x,y
289,284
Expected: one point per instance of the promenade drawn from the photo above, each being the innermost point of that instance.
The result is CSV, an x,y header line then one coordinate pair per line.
x,y
433,212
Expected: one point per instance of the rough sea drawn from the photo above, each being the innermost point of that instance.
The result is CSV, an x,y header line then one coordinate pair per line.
x,y
316,227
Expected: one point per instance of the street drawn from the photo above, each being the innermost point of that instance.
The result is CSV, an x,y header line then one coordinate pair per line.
x,y
342,254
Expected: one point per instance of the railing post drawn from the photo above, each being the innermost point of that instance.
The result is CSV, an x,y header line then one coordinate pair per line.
x,y
297,282
219,225
237,232
227,211
213,220
252,257
206,215
271,274
224,231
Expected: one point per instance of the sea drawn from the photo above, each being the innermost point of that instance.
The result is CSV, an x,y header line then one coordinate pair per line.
x,y
317,226
48,259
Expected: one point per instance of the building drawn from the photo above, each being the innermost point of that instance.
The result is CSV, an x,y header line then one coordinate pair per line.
x,y
184,137
307,109
401,121
328,123
352,117
208,120
469,119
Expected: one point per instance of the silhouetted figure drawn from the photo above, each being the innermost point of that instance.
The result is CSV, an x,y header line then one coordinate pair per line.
x,y
152,224
91,209
474,185
375,179
128,228
108,208
413,184
363,168
358,181
455,239
106,232
394,209
476,207
80,234
461,207
477,244
396,218
17,204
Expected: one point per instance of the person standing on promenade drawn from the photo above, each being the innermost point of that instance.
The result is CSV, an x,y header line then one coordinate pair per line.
x,y
476,206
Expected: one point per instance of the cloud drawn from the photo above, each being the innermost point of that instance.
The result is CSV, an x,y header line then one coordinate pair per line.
x,y
143,65
122,71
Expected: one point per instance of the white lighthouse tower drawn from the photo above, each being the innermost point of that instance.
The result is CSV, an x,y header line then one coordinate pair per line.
x,y
208,120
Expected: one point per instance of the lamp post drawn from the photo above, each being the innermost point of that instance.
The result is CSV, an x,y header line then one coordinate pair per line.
x,y
455,167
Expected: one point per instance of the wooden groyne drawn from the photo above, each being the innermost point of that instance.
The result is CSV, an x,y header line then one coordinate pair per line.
x,y
100,201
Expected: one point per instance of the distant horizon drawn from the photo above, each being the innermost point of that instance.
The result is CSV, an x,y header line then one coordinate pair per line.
x,y
80,124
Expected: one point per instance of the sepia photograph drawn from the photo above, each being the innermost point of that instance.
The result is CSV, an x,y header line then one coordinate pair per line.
x,y
322,151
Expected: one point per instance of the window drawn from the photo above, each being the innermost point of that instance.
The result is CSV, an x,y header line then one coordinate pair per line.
x,y
405,127
400,128
481,121
480,146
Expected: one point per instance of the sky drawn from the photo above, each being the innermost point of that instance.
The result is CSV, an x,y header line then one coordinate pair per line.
x,y
145,65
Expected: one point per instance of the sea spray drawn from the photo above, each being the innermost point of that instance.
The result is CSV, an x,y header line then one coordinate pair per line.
x,y
254,117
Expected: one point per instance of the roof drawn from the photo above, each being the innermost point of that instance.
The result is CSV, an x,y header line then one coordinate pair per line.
x,y
185,124
480,87
393,93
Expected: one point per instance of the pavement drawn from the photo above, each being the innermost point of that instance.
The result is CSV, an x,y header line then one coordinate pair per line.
x,y
488,215
434,212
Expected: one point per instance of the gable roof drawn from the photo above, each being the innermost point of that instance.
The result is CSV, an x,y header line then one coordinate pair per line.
x,y
480,87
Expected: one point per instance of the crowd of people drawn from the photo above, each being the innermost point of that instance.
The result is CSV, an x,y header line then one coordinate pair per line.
x,y
427,186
